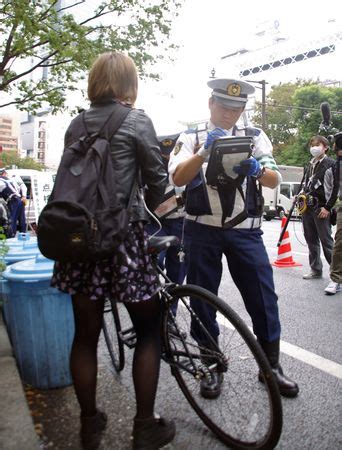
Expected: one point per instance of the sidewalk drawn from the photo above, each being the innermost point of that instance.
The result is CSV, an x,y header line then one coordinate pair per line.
x,y
17,430
49,419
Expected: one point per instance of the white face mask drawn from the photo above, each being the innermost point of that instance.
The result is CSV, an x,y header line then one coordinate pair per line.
x,y
317,150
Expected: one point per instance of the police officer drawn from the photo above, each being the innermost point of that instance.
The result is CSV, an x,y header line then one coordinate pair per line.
x,y
233,229
171,216
21,189
9,193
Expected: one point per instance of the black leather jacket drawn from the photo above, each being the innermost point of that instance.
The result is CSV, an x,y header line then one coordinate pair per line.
x,y
134,145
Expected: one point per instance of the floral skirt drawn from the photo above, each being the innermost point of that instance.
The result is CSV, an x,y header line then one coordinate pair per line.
x,y
127,276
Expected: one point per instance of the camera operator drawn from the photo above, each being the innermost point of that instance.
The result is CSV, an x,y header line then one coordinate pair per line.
x,y
336,261
320,189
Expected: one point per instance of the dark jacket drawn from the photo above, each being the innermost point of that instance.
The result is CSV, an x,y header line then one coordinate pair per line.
x,y
322,182
134,146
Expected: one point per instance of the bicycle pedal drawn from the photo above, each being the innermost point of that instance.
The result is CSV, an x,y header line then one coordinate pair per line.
x,y
128,336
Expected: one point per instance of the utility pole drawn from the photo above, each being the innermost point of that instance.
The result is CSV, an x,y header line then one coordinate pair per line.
x,y
263,101
263,105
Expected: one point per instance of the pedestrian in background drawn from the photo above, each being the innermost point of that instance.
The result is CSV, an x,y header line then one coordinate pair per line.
x,y
128,275
12,197
320,188
336,260
226,219
21,190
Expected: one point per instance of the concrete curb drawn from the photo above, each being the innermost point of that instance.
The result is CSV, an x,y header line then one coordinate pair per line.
x,y
16,426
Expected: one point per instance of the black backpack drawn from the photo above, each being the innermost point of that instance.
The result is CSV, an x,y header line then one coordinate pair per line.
x,y
83,220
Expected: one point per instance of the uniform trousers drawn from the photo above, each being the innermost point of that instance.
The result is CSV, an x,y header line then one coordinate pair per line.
x,y
336,261
15,206
249,267
315,231
169,259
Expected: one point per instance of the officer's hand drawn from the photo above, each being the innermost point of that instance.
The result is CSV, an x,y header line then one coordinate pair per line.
x,y
248,167
212,136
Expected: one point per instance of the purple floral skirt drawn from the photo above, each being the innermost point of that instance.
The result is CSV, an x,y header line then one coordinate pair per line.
x,y
127,276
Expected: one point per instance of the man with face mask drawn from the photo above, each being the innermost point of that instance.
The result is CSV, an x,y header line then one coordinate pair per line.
x,y
320,188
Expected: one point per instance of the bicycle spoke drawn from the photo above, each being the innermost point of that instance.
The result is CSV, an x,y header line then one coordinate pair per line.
x,y
247,413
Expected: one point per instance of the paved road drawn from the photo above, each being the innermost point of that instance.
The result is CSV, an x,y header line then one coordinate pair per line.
x,y
311,354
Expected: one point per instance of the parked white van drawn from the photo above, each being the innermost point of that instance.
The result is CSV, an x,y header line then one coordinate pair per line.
x,y
278,201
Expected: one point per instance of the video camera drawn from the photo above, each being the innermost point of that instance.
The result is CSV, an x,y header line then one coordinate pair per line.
x,y
336,139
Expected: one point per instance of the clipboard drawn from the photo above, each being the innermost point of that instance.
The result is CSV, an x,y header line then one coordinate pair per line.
x,y
226,153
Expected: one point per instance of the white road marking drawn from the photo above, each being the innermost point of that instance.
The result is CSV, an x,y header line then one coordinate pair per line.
x,y
326,365
323,364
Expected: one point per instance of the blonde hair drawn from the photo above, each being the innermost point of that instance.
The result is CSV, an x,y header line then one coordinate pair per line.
x,y
113,75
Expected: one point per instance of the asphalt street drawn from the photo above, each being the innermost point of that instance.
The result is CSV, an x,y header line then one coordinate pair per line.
x,y
311,354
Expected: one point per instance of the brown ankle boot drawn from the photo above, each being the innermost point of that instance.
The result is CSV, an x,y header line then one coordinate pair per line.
x,y
152,433
91,430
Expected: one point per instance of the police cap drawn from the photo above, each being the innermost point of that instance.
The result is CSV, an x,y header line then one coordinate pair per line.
x,y
230,93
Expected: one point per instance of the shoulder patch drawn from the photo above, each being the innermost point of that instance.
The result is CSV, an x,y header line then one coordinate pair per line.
x,y
177,148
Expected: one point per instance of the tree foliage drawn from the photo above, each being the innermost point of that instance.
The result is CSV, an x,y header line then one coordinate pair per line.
x,y
9,159
51,36
294,116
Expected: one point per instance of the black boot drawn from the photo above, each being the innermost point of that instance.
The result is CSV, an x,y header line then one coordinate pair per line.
x,y
287,387
91,430
210,385
152,433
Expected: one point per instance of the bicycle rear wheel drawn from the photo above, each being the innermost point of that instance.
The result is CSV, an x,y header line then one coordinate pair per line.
x,y
247,414
111,330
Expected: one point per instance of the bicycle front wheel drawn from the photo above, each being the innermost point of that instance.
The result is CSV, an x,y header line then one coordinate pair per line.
x,y
111,330
247,414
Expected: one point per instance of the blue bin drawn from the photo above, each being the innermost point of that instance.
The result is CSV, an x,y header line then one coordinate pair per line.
x,y
21,240
20,252
21,247
40,323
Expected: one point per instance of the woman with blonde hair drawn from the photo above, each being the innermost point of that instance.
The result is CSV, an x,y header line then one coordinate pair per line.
x,y
128,275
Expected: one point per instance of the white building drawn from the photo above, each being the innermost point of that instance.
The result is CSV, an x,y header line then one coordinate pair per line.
x,y
42,138
277,57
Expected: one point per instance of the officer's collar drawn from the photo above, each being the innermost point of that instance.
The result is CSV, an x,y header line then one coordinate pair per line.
x,y
211,127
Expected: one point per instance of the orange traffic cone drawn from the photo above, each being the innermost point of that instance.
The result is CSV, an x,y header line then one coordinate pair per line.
x,y
284,258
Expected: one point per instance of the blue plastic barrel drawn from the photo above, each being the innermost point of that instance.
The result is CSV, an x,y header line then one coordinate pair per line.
x,y
41,324
21,240
20,252
22,247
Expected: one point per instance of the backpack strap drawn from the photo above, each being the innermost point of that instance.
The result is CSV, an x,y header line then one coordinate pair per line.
x,y
109,128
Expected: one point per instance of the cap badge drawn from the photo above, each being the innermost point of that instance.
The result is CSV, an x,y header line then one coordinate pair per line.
x,y
167,142
234,89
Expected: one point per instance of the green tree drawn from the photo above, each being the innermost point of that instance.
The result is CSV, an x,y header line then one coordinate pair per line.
x,y
294,116
43,35
280,123
8,159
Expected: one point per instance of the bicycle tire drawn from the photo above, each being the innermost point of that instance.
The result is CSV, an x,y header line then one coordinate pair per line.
x,y
247,414
111,330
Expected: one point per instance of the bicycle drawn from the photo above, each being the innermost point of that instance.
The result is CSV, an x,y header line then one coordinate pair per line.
x,y
247,414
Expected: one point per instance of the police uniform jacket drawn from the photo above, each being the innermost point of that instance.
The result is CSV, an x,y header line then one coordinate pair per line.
x,y
186,147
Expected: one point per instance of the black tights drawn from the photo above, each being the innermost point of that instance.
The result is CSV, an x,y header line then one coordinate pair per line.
x,y
145,317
